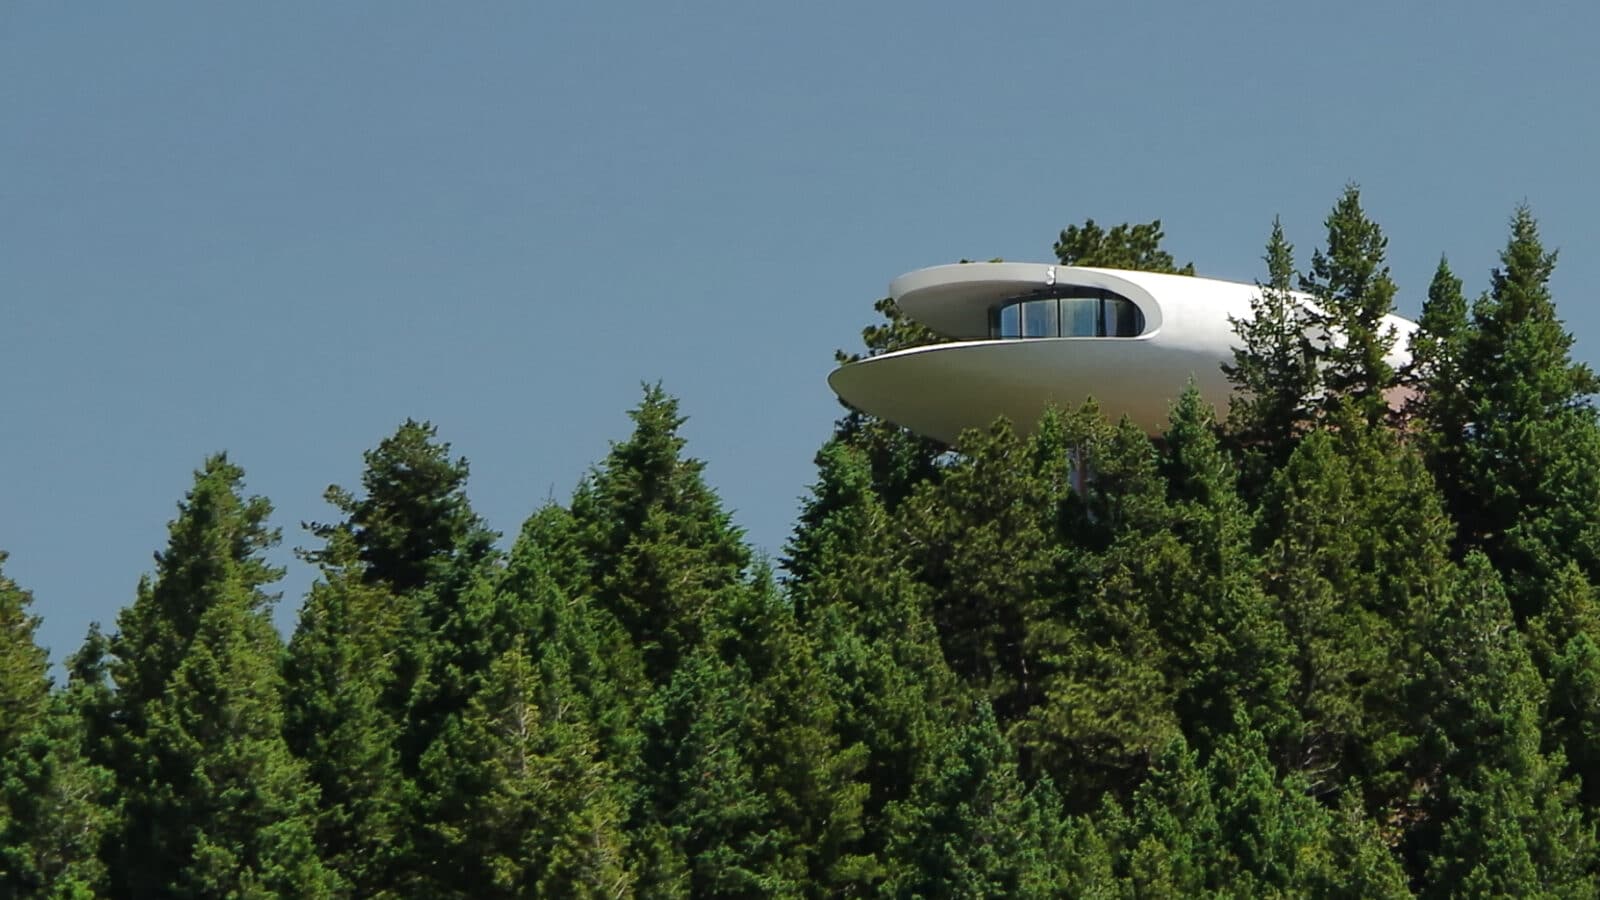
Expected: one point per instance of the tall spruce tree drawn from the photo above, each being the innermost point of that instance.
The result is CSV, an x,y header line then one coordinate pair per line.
x,y
52,799
339,667
986,548
661,553
1226,645
891,691
514,801
1275,369
1499,815
415,536
974,828
1353,292
212,801
24,665
1103,671
1356,554
1528,483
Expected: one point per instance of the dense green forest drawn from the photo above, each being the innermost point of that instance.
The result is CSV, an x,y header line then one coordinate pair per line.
x,y
1318,643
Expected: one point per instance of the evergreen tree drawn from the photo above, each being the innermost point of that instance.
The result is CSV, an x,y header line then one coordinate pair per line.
x,y
542,600
661,553
339,666
213,803
1125,246
24,665
412,520
55,806
1435,376
973,828
51,796
1227,648
414,535
893,695
1357,555
1233,828
1353,293
1275,371
1499,816
1564,641
230,809
1102,669
987,550
1528,486
514,801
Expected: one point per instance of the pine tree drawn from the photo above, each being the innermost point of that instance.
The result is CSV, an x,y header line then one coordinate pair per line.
x,y
1102,669
415,536
1226,645
413,519
973,828
892,693
1353,292
1233,827
1275,370
1529,479
24,665
986,547
1438,405
1357,553
339,666
542,599
1125,246
1564,641
213,803
1499,814
55,806
52,811
661,552
232,809
514,801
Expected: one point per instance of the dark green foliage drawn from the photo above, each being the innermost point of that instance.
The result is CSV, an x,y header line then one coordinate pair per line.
x,y
1275,369
972,827
212,801
1234,827
1353,292
54,802
514,801
1436,377
339,667
1104,675
1357,548
1524,464
1125,246
1499,812
413,518
55,806
984,546
890,690
661,552
1229,658
24,681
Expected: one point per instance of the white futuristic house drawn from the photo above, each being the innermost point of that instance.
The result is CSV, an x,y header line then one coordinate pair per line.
x,y
1031,335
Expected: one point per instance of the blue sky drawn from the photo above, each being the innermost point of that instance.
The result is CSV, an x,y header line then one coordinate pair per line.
x,y
281,229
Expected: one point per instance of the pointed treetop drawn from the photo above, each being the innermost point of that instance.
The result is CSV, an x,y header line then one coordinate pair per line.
x,y
1350,283
24,665
414,516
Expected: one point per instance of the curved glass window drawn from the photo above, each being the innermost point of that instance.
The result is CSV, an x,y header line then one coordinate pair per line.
x,y
1067,311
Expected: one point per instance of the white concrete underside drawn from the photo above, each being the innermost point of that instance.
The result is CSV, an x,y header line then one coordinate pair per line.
x,y
942,389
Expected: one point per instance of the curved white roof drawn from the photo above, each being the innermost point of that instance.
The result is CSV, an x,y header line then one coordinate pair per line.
x,y
942,389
